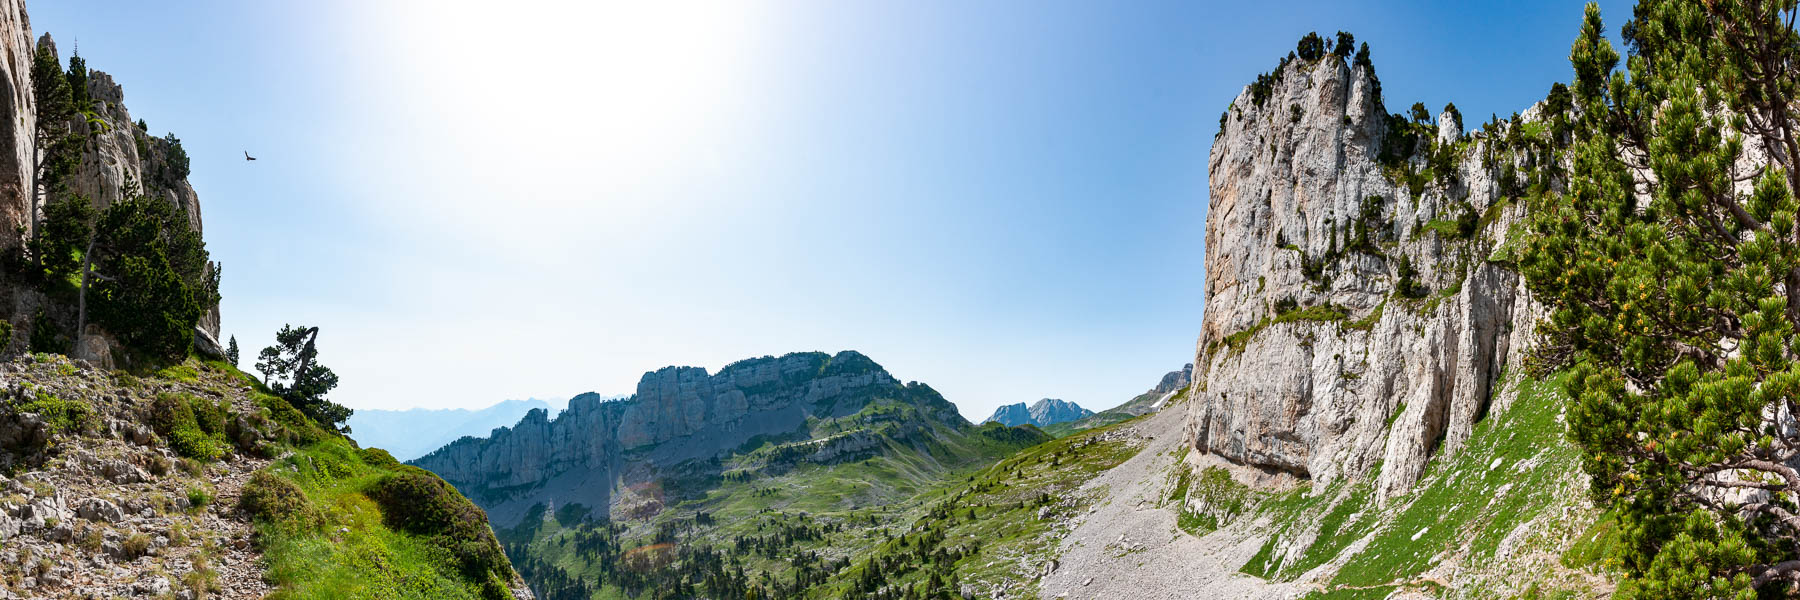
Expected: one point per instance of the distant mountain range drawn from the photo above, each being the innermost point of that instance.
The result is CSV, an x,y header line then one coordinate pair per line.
x,y
1042,413
412,433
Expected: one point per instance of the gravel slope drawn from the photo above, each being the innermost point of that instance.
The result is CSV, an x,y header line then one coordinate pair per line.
x,y
1129,548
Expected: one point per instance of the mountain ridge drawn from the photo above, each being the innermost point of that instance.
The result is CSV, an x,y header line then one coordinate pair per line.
x,y
1043,413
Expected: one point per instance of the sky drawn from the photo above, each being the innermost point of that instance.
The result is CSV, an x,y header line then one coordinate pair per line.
x,y
1005,199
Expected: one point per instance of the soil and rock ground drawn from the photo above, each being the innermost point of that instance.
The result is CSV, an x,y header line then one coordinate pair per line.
x,y
115,485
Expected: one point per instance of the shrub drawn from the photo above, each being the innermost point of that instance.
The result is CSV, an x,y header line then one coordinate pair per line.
x,y
198,496
136,545
380,459
419,502
62,416
195,428
272,498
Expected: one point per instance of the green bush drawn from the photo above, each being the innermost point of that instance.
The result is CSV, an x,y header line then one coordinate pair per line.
x,y
272,498
195,428
63,416
198,496
416,501
380,459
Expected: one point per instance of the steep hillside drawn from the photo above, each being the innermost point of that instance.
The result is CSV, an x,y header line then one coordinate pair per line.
x,y
764,477
620,457
1043,413
412,433
1172,385
194,482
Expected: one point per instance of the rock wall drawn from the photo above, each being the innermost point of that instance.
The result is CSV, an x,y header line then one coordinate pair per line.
x,y
1312,363
592,452
18,119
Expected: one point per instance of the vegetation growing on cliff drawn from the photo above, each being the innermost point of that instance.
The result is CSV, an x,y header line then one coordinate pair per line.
x,y
1673,272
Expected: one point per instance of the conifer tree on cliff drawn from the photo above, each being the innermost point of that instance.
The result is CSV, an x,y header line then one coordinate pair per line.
x,y
1672,267
291,369
57,146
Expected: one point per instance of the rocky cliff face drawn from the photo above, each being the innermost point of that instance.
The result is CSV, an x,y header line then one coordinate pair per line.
x,y
601,453
18,119
1354,316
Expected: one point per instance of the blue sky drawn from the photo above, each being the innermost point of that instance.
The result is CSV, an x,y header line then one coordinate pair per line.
x,y
483,201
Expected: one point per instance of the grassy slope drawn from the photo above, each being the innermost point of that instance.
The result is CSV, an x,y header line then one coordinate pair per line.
x,y
346,548
989,522
1500,508
854,504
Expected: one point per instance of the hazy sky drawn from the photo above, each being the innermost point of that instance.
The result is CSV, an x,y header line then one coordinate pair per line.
x,y
493,200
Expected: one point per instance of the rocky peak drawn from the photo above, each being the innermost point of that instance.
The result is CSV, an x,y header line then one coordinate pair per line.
x,y
1349,286
1051,410
1175,380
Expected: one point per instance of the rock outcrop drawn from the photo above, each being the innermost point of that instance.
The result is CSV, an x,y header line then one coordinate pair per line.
x,y
597,448
1045,412
1355,312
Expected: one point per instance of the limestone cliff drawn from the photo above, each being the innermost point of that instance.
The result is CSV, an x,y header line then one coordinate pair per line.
x,y
1356,313
118,160
604,453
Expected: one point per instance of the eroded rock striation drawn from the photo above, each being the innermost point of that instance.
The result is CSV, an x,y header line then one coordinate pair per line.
x,y
1358,305
600,453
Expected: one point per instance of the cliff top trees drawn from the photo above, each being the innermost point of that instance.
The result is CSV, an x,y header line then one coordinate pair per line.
x,y
291,369
1310,47
1671,264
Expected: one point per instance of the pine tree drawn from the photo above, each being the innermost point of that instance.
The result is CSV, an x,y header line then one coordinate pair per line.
x,y
231,351
58,146
1673,275
291,368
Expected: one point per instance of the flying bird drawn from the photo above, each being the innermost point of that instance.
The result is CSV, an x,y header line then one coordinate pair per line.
x,y
247,155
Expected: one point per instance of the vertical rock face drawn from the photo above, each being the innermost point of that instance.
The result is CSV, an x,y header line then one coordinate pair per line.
x,y
18,119
1320,353
597,448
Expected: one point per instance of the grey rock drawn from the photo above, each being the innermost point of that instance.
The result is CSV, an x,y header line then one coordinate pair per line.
x,y
1314,399
154,586
97,509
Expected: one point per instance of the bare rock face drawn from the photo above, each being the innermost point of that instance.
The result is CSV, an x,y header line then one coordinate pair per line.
x,y
597,450
18,119
1321,354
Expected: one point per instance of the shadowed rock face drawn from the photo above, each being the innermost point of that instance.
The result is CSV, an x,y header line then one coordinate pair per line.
x,y
598,453
1292,180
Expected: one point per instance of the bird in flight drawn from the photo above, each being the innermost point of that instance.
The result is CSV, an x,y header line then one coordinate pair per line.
x,y
247,155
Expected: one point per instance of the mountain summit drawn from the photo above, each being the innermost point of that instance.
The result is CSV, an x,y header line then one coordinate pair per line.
x,y
1048,411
